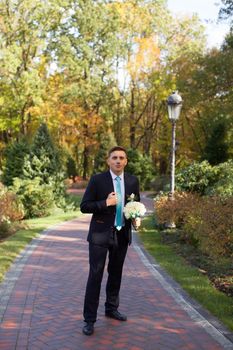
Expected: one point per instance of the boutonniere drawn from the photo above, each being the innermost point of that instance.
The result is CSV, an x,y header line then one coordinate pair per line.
x,y
131,198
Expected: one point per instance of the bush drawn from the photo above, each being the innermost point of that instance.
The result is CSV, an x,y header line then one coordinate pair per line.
x,y
206,222
224,184
11,208
37,199
176,209
35,167
214,230
11,211
206,179
197,177
179,210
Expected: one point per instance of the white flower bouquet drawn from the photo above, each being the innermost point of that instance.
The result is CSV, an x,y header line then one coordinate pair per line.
x,y
134,210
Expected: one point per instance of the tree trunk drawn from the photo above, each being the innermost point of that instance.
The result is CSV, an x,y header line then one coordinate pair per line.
x,y
132,119
85,162
163,165
85,151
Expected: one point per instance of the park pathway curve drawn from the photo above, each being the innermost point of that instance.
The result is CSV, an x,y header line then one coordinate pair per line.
x,y
41,301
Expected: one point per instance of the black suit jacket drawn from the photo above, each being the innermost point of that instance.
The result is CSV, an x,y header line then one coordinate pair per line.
x,y
94,201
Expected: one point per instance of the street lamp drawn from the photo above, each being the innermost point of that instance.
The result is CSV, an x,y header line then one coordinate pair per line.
x,y
174,104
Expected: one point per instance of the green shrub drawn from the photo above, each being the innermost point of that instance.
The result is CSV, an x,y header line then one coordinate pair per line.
x,y
44,163
43,147
14,161
39,168
5,229
224,185
197,177
141,166
206,179
35,167
37,198
9,228
62,200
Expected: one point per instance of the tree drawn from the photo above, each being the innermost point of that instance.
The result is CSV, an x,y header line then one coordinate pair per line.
x,y
71,168
44,150
105,142
161,49
206,90
14,161
44,163
227,10
216,149
140,166
87,50
24,37
60,63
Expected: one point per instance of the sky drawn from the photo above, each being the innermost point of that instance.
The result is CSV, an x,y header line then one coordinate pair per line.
x,y
207,10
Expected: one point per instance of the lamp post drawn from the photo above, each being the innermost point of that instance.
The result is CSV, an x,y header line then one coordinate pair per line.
x,y
174,104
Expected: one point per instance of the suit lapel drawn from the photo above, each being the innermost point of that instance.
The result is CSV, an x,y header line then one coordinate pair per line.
x,y
109,183
126,179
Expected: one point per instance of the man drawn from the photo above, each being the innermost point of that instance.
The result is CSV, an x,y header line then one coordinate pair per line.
x,y
109,232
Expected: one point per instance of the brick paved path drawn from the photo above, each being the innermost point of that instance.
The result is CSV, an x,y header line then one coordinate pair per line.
x,y
42,299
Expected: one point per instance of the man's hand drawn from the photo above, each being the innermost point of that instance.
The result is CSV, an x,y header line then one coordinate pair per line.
x,y
111,199
136,223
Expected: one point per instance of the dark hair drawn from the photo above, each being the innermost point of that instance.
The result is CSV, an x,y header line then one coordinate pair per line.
x,y
117,148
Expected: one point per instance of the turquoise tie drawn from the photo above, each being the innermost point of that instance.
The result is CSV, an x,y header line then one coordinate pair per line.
x,y
119,204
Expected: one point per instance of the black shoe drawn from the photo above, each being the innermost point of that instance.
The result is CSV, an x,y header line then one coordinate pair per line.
x,y
88,329
116,315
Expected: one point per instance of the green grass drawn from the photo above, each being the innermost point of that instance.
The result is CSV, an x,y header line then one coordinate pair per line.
x,y
196,284
11,247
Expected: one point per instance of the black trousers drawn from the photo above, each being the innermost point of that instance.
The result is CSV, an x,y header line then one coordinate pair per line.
x,y
97,260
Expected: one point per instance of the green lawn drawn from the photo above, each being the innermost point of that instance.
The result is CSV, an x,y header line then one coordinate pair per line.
x,y
11,247
196,284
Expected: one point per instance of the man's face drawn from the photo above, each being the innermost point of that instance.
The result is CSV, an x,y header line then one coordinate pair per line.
x,y
117,162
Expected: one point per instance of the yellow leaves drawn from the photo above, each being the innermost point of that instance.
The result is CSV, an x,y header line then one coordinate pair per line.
x,y
137,31
132,16
145,58
205,220
2,145
71,122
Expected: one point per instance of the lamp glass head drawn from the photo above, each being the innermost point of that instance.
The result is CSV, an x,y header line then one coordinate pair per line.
x,y
174,103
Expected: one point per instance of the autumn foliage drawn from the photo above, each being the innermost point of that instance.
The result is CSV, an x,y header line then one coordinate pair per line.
x,y
206,222
10,211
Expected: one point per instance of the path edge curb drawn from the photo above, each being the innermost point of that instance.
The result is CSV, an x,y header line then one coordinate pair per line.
x,y
175,288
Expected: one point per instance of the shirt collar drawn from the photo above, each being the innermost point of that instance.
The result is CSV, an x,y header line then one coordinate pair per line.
x,y
114,175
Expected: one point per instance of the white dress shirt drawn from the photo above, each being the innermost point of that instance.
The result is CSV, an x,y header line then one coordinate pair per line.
x,y
122,190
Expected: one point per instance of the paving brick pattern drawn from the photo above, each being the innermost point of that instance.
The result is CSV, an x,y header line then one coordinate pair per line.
x,y
42,303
